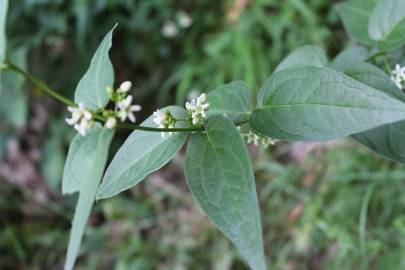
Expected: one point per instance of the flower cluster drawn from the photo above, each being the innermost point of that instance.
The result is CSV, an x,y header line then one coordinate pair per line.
x,y
124,109
81,119
197,109
256,139
164,119
171,28
398,76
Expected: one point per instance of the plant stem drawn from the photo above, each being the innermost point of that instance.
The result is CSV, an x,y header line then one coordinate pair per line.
x,y
375,55
40,84
48,90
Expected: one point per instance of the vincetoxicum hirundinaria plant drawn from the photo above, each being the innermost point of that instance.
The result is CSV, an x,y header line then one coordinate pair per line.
x,y
308,98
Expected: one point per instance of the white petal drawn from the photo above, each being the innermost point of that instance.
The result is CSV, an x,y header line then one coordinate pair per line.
x,y
125,86
70,121
122,115
131,117
87,115
135,108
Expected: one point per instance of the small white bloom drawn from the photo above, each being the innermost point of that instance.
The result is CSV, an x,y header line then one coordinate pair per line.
x,y
184,20
80,120
111,122
125,87
197,109
126,109
398,76
169,29
252,137
256,139
164,120
160,118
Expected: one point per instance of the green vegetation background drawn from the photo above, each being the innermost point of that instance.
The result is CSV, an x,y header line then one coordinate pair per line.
x,y
328,205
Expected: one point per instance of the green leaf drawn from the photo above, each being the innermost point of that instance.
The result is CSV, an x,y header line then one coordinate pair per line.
x,y
142,153
233,100
83,171
304,56
92,88
316,104
13,101
348,58
386,140
3,38
220,177
387,24
355,15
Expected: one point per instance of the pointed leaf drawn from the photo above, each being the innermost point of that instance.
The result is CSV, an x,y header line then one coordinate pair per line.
x,y
220,177
142,153
348,58
84,152
304,56
386,140
316,104
83,171
386,16
92,88
233,100
355,15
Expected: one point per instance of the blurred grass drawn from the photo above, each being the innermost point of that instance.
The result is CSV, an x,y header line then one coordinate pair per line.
x,y
324,206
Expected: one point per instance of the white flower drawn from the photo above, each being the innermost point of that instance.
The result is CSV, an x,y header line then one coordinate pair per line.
x,y
256,139
169,30
126,109
80,120
252,137
398,76
125,87
184,20
111,122
197,109
164,120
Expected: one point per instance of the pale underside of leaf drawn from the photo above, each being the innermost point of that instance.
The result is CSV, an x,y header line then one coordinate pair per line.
x,y
220,177
313,103
94,158
92,88
141,154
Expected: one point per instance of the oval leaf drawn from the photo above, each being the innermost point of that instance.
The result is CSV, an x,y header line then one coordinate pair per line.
x,y
316,104
386,16
142,153
348,58
83,171
304,56
220,177
355,15
387,140
232,100
83,152
387,24
92,88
